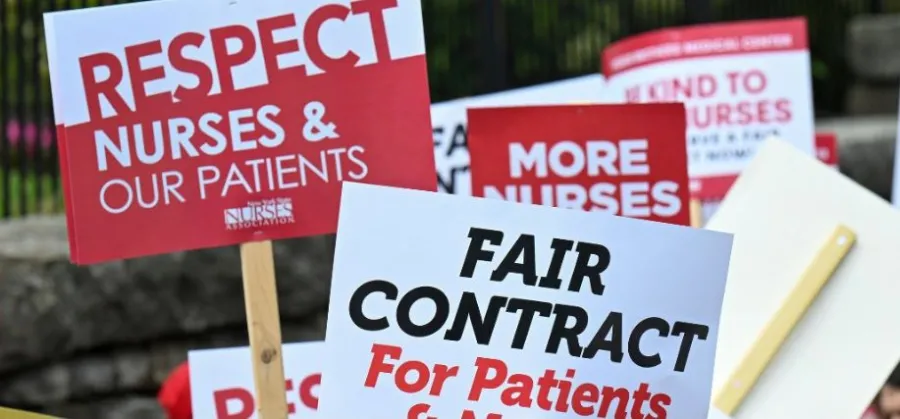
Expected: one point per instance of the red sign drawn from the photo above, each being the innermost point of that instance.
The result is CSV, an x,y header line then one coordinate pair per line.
x,y
827,148
628,160
177,138
239,403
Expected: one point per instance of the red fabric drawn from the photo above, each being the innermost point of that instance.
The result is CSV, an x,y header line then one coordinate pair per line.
x,y
175,394
871,413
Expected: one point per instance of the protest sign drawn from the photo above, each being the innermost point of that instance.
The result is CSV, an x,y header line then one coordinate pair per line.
x,y
783,208
222,381
233,121
607,158
505,310
741,82
450,128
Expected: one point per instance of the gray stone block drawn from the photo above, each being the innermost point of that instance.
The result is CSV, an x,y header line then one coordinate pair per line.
x,y
93,342
872,99
873,51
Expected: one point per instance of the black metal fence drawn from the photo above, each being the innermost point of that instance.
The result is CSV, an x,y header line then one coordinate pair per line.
x,y
474,46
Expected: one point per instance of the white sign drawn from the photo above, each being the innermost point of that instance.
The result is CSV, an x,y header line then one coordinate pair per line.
x,y
489,314
741,83
895,193
222,381
782,210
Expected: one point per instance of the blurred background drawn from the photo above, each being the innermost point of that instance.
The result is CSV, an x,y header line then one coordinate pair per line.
x,y
97,342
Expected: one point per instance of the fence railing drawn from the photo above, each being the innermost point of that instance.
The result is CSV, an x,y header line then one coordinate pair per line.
x,y
474,46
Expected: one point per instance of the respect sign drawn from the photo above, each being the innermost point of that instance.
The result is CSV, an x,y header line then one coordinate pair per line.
x,y
492,315
234,121
628,160
222,381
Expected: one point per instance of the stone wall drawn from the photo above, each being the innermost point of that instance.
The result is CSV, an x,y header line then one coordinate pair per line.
x,y
96,342
866,149
874,60
867,134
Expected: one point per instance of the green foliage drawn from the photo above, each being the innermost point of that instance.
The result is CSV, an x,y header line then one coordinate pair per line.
x,y
545,40
28,193
22,38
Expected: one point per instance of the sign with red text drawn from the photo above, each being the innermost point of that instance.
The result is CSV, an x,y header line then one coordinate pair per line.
x,y
506,311
229,121
222,381
741,83
627,160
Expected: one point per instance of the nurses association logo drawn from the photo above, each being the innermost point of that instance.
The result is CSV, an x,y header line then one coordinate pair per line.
x,y
264,213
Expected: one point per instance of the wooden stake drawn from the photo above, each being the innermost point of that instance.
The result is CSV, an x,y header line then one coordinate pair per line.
x,y
696,208
817,273
264,327
21,414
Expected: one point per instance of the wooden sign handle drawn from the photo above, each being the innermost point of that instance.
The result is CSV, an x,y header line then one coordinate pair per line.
x,y
696,208
21,414
817,273
264,327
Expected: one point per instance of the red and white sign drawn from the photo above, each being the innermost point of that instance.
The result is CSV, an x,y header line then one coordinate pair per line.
x,y
229,121
222,381
827,149
628,160
741,83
